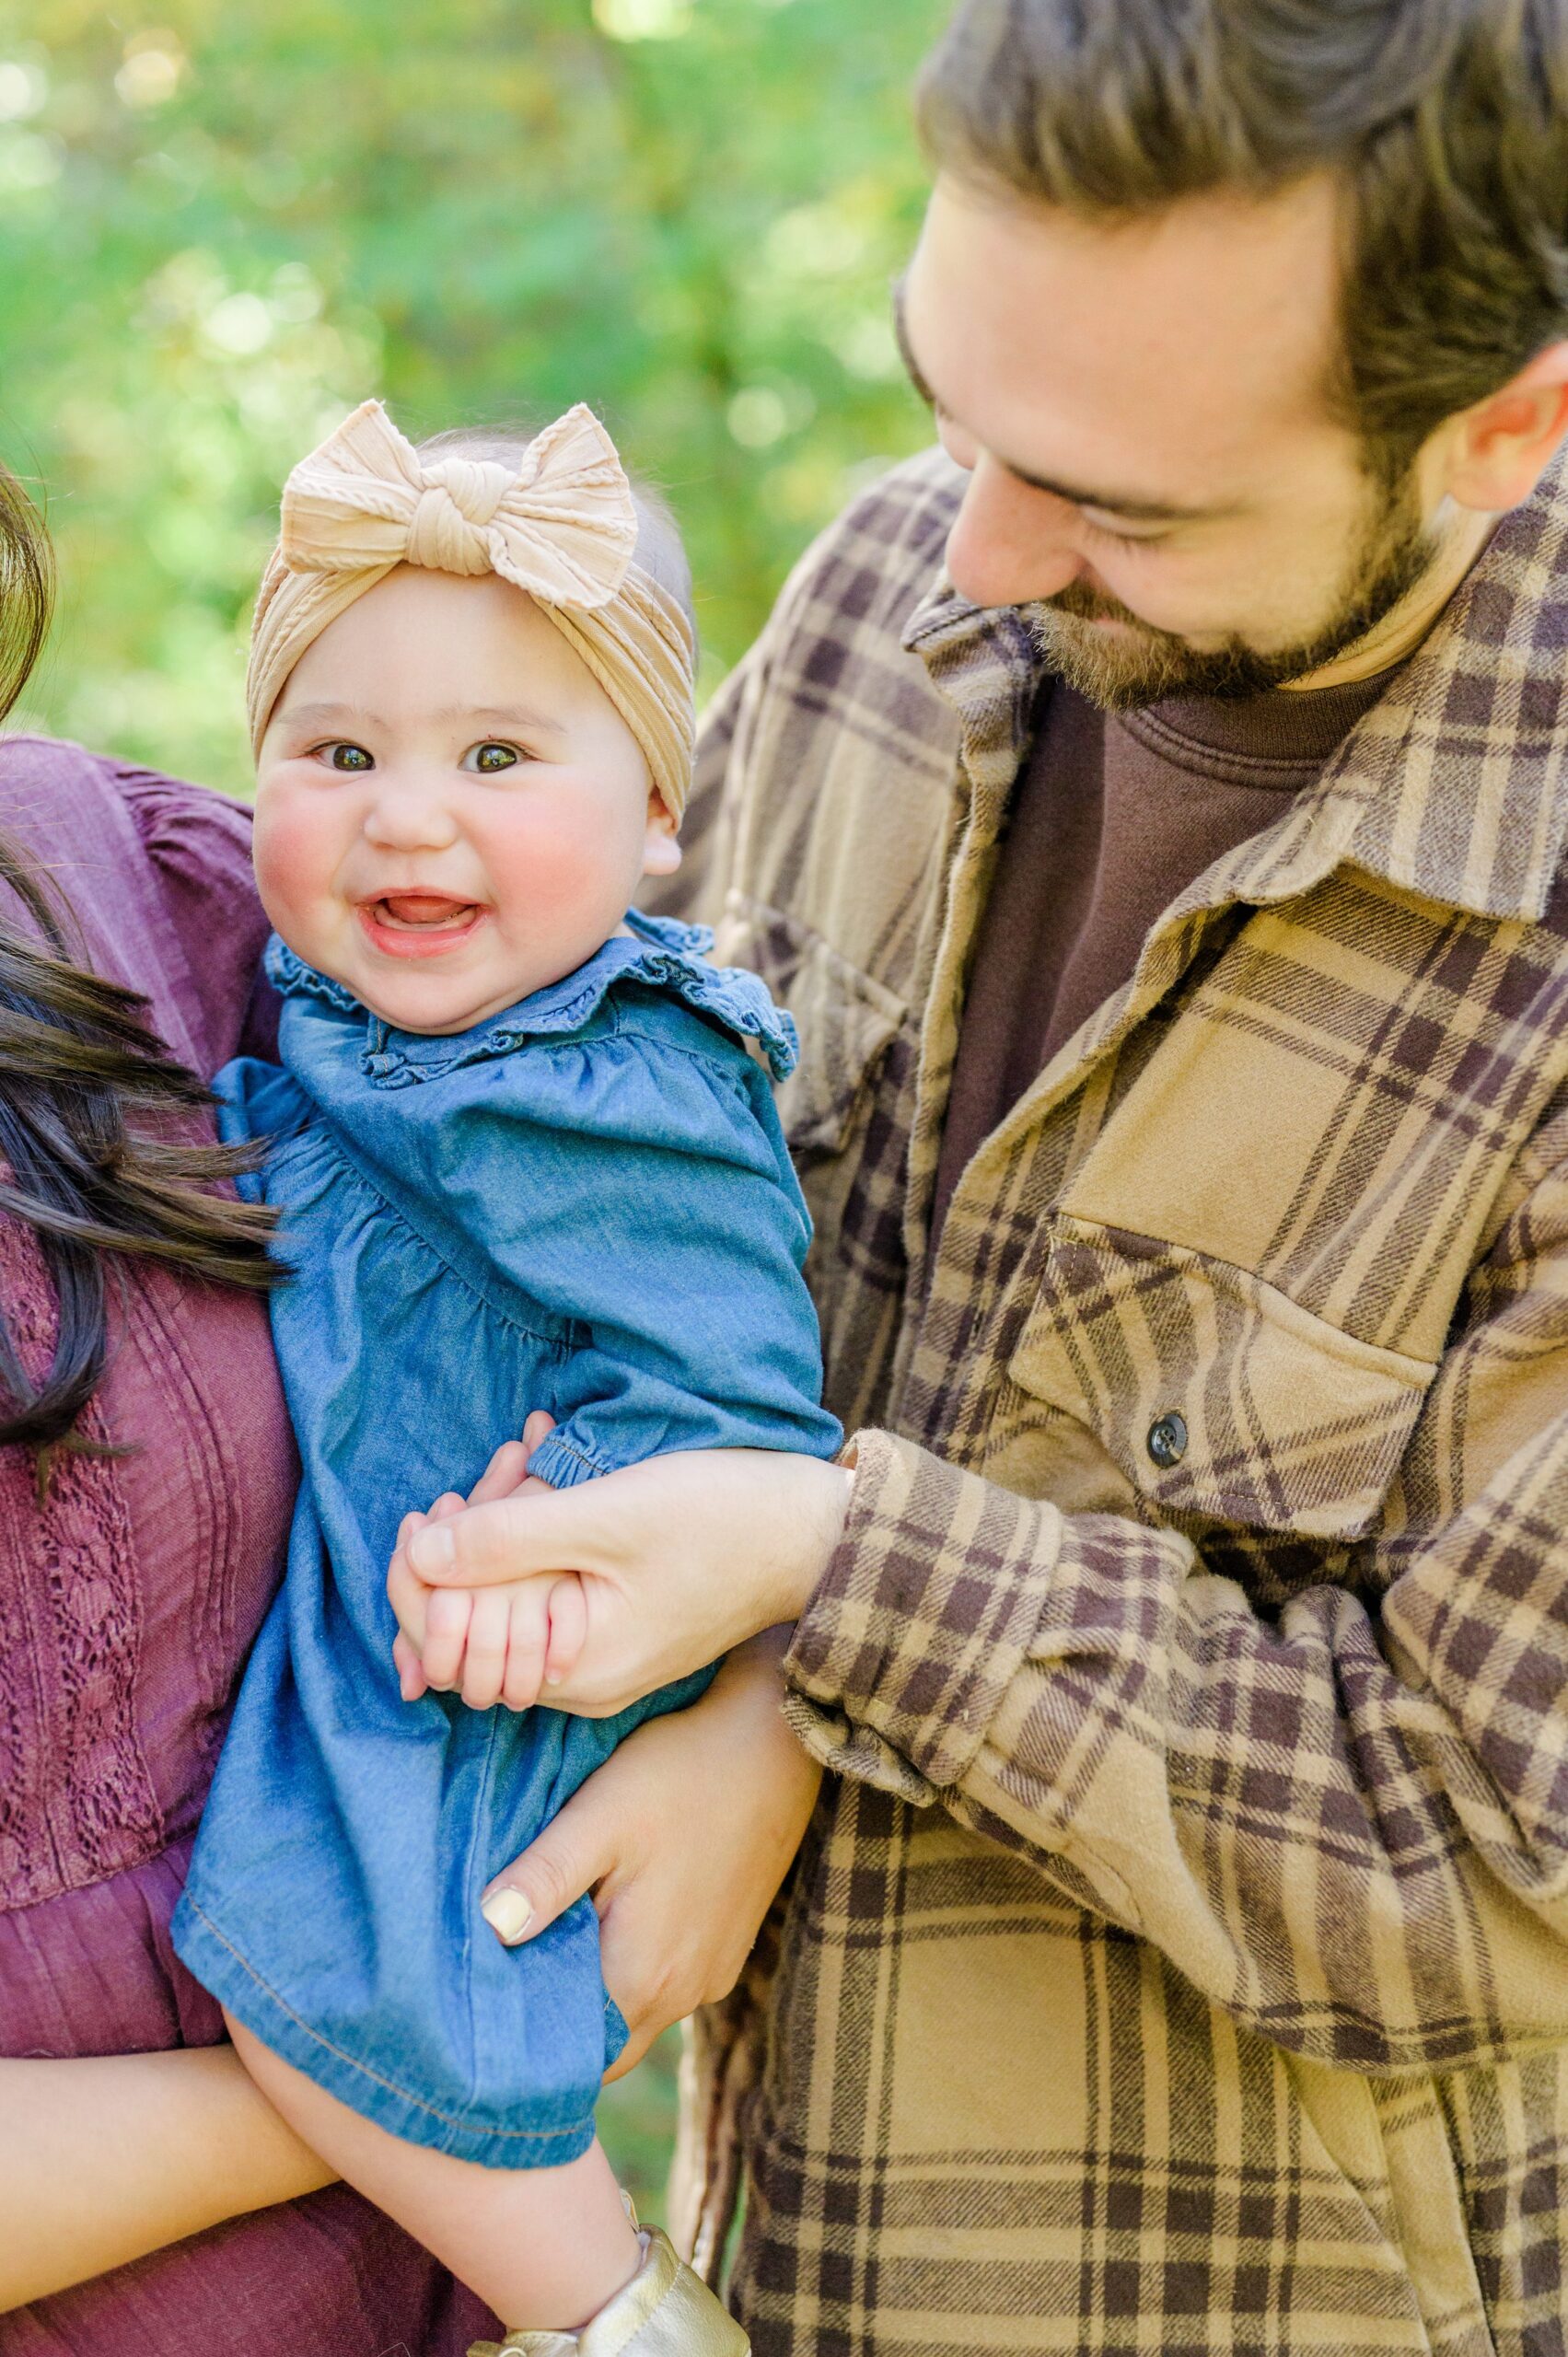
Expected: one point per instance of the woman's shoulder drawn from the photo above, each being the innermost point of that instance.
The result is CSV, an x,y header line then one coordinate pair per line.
x,y
154,875
48,786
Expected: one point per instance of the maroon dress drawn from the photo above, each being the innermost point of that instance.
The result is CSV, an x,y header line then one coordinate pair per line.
x,y
127,1601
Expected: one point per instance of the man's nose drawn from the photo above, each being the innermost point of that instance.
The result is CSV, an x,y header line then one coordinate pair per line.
x,y
1010,543
410,813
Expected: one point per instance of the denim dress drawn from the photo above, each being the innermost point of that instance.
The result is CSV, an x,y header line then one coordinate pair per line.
x,y
584,1204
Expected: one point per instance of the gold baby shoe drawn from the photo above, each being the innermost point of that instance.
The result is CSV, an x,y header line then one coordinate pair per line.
x,y
665,2311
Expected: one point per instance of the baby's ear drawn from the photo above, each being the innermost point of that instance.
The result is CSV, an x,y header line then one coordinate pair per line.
x,y
661,853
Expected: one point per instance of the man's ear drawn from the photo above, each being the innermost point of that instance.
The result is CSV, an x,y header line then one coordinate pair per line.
x,y
1502,446
661,853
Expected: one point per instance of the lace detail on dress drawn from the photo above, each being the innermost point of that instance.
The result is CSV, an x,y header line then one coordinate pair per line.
x,y
76,1802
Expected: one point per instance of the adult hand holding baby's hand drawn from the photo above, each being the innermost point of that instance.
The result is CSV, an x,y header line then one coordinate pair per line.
x,y
500,1643
678,1916
679,1559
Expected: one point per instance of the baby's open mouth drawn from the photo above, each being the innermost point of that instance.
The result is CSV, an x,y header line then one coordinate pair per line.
x,y
419,923
423,909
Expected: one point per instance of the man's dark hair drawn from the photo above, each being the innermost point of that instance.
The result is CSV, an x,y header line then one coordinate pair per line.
x,y
1444,121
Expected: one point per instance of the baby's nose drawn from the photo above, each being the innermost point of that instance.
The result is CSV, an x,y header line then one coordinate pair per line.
x,y
408,816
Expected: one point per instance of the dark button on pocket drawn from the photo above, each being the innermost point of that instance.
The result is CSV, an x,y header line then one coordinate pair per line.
x,y
1167,1440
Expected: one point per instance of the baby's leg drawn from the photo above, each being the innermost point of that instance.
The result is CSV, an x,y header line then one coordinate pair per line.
x,y
544,2247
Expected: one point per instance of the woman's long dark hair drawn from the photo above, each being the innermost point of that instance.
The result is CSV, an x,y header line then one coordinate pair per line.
x,y
96,1155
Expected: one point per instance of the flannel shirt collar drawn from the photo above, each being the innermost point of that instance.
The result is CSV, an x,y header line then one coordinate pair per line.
x,y
1454,786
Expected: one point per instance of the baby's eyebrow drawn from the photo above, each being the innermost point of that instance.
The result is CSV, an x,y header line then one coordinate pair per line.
x,y
517,716
317,714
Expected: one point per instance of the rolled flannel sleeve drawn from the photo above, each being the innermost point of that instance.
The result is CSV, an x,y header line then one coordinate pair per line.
x,y
1346,1823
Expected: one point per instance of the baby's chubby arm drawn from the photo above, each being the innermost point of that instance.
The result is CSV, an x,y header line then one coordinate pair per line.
x,y
494,1645
660,1218
635,1190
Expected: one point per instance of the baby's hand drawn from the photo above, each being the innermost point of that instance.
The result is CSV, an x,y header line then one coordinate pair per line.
x,y
517,1637
501,1644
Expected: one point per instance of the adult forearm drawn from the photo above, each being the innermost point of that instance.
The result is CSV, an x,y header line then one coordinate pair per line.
x,y
1246,1792
105,2159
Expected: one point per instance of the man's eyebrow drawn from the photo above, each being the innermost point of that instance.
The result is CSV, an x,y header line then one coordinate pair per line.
x,y
1116,503
1110,503
906,352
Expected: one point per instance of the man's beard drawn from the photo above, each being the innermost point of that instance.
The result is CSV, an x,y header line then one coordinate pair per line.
x,y
1121,670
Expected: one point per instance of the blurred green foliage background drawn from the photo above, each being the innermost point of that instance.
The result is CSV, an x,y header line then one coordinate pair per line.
x,y
225,222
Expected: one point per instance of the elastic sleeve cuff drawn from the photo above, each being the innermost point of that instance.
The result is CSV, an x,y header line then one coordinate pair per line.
x,y
562,1462
921,1620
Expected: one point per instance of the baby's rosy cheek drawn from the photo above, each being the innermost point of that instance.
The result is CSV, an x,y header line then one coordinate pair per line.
x,y
553,865
297,851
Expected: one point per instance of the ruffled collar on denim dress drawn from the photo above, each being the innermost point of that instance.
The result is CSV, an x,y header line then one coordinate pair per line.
x,y
661,954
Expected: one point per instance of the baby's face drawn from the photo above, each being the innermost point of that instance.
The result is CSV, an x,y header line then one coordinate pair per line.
x,y
451,813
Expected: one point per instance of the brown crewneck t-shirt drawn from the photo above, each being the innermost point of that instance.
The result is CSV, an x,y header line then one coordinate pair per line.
x,y
1112,816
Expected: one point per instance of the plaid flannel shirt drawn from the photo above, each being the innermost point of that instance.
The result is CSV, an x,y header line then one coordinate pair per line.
x,y
1177,1960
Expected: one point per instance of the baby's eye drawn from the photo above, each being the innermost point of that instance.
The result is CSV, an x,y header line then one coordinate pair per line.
x,y
488,758
352,758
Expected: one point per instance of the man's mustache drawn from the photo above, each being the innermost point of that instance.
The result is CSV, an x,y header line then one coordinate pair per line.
x,y
1085,603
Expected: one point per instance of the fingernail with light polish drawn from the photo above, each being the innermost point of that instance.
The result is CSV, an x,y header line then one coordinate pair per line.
x,y
508,1914
431,1549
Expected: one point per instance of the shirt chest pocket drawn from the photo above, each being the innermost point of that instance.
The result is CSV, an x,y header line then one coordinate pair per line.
x,y
1202,1390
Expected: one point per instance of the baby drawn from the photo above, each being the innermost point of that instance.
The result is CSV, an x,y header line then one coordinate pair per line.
x,y
525,1154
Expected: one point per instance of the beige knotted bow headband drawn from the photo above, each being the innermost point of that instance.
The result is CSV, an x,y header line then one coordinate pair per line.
x,y
561,524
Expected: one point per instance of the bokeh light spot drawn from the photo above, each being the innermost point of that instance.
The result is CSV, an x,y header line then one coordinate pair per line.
x,y
151,73
643,19
757,417
23,89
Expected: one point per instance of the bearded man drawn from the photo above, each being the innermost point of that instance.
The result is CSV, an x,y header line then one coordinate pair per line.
x,y
1152,804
